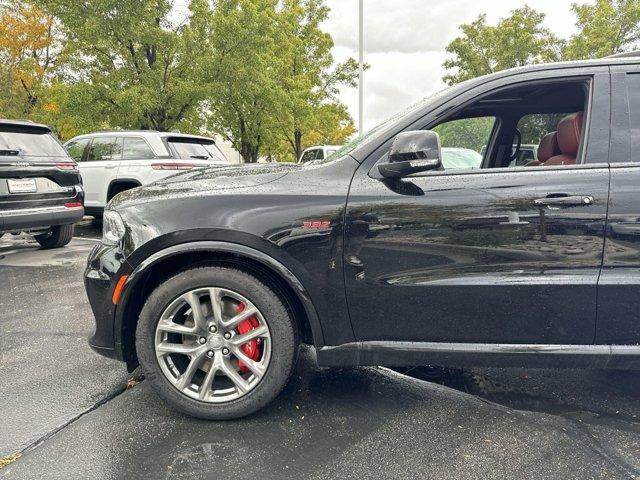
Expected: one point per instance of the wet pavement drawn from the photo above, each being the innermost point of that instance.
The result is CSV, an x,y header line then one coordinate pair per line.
x,y
48,374
65,408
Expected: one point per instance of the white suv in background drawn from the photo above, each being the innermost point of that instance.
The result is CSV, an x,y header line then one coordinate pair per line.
x,y
112,162
319,152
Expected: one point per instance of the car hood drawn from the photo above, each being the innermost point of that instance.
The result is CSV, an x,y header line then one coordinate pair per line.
x,y
203,180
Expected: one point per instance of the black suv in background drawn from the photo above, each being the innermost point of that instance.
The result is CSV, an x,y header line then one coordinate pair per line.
x,y
40,186
386,255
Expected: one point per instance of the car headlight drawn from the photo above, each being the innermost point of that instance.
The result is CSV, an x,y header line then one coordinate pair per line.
x,y
112,228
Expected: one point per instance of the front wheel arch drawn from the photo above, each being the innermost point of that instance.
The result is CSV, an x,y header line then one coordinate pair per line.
x,y
166,263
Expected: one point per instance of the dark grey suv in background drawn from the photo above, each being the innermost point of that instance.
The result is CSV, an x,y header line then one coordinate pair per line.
x,y
40,186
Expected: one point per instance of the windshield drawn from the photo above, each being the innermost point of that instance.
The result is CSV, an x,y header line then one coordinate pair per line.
x,y
32,143
199,149
357,141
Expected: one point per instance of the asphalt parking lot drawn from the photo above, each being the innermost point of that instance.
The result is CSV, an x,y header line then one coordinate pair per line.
x,y
67,413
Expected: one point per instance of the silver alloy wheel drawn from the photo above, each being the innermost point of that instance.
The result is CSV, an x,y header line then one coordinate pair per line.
x,y
200,350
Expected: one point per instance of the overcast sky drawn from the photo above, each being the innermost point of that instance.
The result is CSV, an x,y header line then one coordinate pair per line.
x,y
404,42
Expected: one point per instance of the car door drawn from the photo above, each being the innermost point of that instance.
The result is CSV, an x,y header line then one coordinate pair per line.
x,y
137,160
481,255
619,284
100,169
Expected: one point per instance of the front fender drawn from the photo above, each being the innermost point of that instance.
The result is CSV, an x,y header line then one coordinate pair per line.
x,y
137,274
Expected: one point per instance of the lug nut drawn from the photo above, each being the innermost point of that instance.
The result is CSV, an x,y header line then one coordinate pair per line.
x,y
202,340
213,329
225,351
227,335
210,353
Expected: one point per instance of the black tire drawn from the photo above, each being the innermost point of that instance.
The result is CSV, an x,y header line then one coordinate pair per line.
x,y
284,338
56,237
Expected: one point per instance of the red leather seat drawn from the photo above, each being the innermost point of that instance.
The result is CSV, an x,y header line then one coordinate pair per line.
x,y
569,135
547,149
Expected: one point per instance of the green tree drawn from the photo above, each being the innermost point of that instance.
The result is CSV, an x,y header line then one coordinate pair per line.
x,y
332,125
271,74
28,51
131,67
517,40
242,67
311,80
605,28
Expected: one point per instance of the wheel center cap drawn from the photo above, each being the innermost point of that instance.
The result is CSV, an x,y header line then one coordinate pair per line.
x,y
216,341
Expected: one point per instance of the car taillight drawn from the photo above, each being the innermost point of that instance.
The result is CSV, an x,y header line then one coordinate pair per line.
x,y
73,205
172,166
67,165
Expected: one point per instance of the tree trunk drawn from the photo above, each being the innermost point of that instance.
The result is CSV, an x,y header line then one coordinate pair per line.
x,y
249,152
297,138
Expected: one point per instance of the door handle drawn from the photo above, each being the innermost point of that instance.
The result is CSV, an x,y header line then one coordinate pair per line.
x,y
556,202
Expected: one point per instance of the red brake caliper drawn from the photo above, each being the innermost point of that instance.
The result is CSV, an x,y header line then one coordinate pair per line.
x,y
251,348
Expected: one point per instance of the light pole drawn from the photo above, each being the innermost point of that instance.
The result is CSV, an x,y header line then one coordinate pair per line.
x,y
360,70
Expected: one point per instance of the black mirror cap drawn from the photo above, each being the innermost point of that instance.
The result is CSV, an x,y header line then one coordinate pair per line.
x,y
412,152
415,145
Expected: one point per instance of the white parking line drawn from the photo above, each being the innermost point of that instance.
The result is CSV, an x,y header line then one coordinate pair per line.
x,y
97,240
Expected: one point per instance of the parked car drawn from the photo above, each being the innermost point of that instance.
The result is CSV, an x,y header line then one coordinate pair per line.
x,y
198,280
319,152
40,187
112,162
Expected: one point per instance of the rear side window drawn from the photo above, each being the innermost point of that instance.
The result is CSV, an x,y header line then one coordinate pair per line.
x,y
105,148
308,156
188,148
26,143
136,148
76,149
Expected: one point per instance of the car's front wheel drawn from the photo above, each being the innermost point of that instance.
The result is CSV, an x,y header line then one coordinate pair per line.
x,y
56,237
216,342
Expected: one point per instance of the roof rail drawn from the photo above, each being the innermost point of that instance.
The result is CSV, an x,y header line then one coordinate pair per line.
x,y
635,53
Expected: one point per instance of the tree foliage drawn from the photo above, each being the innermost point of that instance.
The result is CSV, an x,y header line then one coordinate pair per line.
x,y
244,61
258,72
331,125
310,83
130,67
271,73
28,50
517,40
605,28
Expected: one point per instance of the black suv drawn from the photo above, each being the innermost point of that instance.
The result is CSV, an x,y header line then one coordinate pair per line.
x,y
379,255
40,187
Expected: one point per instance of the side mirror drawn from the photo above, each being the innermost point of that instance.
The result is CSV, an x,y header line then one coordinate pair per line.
x,y
412,152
